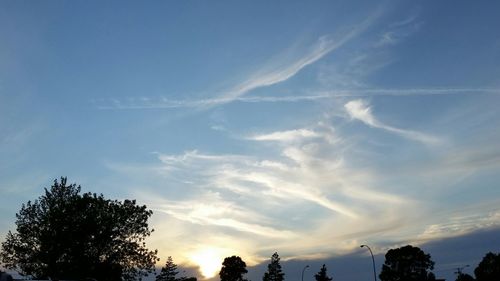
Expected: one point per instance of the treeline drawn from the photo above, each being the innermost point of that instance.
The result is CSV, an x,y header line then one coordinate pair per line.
x,y
69,235
407,263
234,269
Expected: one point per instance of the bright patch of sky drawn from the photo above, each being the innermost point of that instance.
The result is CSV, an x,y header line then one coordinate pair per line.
x,y
307,128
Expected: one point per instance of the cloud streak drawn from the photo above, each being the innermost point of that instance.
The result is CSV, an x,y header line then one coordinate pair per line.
x,y
325,45
287,136
360,110
313,186
164,103
273,73
304,190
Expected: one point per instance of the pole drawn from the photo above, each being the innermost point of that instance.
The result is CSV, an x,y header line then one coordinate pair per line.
x,y
459,270
304,269
373,261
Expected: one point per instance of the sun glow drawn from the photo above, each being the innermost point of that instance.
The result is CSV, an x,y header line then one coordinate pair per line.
x,y
209,260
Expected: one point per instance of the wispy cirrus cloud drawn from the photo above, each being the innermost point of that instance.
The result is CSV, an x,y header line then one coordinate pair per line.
x,y
211,210
286,136
273,73
399,30
361,110
165,103
305,188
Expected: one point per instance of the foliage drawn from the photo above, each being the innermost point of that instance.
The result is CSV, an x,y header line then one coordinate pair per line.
x,y
168,272
407,263
322,275
274,272
68,235
489,268
233,269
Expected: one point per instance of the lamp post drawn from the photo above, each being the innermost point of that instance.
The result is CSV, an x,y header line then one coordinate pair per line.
x,y
373,260
304,269
459,269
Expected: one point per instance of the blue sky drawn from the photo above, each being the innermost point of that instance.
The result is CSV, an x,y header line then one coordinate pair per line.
x,y
306,128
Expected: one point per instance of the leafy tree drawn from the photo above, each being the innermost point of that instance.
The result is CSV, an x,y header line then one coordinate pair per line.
x,y
233,269
168,272
489,268
68,235
407,263
274,272
322,275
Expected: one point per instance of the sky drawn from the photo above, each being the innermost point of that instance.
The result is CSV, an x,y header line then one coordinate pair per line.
x,y
249,127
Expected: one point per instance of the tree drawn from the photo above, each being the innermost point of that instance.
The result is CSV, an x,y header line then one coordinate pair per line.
x,y
68,235
321,275
233,269
489,268
168,272
274,272
407,263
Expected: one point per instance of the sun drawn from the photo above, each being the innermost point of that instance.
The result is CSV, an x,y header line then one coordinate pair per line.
x,y
209,260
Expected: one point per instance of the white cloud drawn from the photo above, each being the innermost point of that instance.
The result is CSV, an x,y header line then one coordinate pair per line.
x,y
311,186
164,103
307,190
398,31
273,73
324,45
360,110
287,136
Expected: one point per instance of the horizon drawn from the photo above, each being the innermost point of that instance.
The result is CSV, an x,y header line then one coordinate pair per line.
x,y
248,128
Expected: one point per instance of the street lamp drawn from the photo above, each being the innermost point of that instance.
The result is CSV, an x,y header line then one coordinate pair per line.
x,y
459,269
373,260
304,269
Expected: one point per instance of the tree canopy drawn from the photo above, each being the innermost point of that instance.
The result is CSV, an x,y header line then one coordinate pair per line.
x,y
407,263
274,272
489,268
322,275
65,234
233,269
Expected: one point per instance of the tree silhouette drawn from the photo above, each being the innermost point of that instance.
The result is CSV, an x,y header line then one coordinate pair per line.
x,y
68,235
489,268
322,275
274,272
407,263
168,272
233,269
